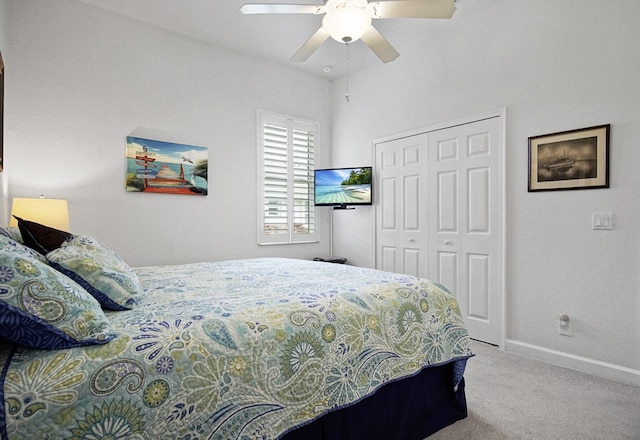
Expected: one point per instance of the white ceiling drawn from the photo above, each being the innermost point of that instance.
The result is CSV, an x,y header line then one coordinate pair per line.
x,y
277,37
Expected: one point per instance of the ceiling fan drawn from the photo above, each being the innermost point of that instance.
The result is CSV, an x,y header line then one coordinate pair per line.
x,y
349,20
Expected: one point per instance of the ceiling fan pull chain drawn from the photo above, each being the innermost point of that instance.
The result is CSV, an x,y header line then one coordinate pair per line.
x,y
346,95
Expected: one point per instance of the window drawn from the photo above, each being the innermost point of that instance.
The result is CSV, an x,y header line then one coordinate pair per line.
x,y
286,150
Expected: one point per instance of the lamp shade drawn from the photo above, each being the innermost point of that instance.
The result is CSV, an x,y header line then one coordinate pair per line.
x,y
346,23
49,212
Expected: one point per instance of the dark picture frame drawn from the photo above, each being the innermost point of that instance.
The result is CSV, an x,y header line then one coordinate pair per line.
x,y
1,114
575,159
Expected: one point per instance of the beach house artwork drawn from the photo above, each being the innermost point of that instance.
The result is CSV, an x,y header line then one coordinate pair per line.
x,y
165,167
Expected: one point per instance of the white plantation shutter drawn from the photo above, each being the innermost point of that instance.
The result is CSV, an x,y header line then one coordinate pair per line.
x,y
303,166
285,185
275,180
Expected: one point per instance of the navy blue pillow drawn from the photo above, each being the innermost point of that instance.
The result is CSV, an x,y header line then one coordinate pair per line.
x,y
43,239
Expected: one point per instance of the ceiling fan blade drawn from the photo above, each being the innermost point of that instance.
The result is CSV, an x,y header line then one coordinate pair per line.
x,y
379,45
310,46
261,8
413,9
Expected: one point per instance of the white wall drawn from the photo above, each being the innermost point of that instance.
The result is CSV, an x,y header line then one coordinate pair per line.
x,y
79,80
554,66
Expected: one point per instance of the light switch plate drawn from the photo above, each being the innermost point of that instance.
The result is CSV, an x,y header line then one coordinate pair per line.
x,y
602,221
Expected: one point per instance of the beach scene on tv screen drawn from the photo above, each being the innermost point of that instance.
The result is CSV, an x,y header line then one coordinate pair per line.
x,y
344,186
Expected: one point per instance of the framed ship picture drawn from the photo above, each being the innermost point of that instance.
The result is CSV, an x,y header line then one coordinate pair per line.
x,y
576,159
165,167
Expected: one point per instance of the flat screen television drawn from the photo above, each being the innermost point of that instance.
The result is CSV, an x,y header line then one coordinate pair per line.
x,y
343,187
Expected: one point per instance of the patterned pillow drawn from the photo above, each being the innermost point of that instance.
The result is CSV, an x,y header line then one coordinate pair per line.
x,y
10,245
41,308
99,270
12,232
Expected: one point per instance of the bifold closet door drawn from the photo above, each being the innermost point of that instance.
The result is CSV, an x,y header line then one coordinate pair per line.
x,y
401,214
439,211
464,221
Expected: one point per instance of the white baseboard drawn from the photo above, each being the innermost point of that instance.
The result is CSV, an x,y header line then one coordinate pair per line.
x,y
590,366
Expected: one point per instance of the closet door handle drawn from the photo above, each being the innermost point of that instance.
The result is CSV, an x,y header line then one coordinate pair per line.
x,y
447,242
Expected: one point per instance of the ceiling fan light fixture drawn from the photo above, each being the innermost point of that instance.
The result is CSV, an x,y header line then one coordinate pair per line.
x,y
349,20
346,23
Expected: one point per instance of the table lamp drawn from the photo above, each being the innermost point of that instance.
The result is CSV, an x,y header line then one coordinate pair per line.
x,y
49,212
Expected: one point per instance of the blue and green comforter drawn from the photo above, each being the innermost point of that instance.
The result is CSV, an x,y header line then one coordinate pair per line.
x,y
236,349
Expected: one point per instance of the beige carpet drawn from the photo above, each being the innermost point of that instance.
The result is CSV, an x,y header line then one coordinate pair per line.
x,y
512,398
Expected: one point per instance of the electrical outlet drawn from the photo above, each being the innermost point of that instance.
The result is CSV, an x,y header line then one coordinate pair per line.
x,y
564,325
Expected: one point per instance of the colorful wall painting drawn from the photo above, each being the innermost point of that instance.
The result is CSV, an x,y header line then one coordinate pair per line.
x,y
165,167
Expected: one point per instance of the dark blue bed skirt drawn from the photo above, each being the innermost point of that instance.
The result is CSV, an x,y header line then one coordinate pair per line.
x,y
410,409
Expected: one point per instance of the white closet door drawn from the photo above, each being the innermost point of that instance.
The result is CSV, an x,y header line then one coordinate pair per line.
x,y
464,217
401,215
439,215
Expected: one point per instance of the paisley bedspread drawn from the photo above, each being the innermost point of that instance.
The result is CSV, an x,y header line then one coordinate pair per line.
x,y
233,350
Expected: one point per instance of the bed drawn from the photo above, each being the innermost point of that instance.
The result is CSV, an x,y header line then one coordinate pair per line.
x,y
263,348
